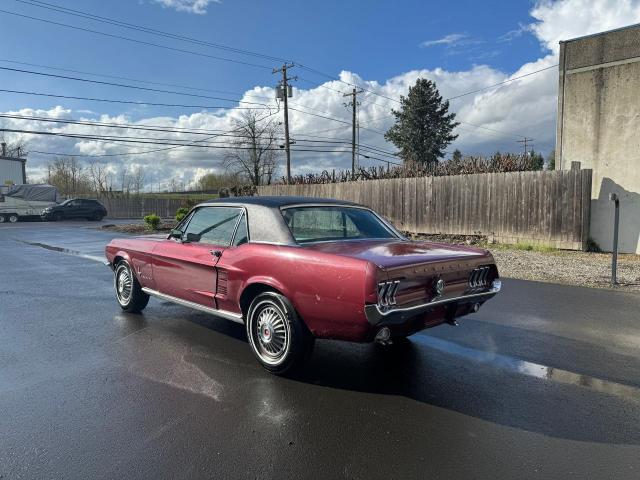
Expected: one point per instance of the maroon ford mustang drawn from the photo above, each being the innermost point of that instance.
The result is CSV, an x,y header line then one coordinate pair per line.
x,y
294,269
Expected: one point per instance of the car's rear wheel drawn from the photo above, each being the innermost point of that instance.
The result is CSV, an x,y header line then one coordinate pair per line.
x,y
2,219
12,217
97,216
129,293
277,335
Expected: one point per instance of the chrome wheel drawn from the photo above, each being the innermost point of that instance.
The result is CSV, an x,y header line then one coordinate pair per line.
x,y
13,218
123,284
2,219
270,333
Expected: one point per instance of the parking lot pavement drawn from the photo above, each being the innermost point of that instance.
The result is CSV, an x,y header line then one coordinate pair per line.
x,y
543,382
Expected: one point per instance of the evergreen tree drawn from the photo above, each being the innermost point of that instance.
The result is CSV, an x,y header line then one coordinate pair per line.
x,y
424,126
551,160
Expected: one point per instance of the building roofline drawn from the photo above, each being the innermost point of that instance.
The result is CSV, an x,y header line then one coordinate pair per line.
x,y
15,159
627,27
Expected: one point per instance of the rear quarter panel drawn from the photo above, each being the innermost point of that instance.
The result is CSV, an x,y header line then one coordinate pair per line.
x,y
328,291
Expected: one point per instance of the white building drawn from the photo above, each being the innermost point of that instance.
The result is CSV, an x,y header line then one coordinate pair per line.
x,y
12,170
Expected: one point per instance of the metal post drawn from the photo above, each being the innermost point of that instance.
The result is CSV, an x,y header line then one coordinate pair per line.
x,y
614,251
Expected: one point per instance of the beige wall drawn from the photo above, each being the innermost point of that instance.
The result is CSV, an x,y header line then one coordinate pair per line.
x,y
599,126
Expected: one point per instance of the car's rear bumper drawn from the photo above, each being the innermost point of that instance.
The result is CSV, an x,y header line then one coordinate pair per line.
x,y
451,306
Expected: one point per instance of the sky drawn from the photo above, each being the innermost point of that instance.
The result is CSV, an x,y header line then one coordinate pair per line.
x,y
381,46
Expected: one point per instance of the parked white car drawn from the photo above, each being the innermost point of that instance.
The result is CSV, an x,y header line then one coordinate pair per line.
x,y
25,201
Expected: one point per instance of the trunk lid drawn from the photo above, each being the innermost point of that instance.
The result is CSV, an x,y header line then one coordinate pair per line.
x,y
419,265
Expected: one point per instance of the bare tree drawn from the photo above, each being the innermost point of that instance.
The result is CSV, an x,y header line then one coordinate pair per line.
x,y
255,152
137,179
100,178
68,175
125,181
13,148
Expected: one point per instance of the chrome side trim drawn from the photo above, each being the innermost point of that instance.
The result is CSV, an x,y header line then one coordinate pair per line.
x,y
375,315
234,317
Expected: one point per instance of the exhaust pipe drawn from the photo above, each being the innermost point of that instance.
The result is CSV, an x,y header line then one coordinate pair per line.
x,y
383,337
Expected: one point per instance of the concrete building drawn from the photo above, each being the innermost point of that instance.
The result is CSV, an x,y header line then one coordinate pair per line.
x,y
599,126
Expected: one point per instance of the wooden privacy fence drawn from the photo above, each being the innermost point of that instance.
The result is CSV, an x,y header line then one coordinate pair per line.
x,y
542,207
139,207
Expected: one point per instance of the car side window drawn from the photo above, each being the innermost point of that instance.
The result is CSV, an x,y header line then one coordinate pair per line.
x,y
242,234
214,225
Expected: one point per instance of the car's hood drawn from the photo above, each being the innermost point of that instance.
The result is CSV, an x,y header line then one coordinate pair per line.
x,y
398,253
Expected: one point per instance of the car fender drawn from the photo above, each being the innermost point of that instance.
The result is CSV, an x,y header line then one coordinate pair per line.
x,y
118,254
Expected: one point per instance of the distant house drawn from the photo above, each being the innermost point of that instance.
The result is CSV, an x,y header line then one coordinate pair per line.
x,y
599,126
12,169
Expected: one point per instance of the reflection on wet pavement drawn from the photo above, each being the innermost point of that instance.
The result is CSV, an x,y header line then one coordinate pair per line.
x,y
531,369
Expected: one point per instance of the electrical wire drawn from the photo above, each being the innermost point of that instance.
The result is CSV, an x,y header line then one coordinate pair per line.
x,y
142,42
140,28
124,85
131,102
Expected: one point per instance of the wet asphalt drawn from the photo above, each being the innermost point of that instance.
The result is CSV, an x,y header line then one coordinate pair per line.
x,y
543,382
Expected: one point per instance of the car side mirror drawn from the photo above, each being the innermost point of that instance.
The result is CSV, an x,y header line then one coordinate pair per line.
x,y
191,237
175,233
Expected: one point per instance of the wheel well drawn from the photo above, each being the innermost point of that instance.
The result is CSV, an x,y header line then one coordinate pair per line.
x,y
249,293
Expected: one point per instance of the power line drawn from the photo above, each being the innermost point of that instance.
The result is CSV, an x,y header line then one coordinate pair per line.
x,y
123,85
501,83
144,152
142,42
161,129
155,141
131,102
117,77
140,28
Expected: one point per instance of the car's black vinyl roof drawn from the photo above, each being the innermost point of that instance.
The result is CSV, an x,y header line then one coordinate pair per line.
x,y
277,201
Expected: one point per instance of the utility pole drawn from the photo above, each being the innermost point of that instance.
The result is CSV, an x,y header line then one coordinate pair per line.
x,y
283,92
354,104
526,141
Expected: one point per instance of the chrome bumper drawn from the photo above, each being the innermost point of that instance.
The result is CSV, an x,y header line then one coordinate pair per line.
x,y
376,316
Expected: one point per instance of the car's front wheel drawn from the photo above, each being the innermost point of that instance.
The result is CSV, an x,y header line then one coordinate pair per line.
x,y
277,335
12,217
129,293
57,216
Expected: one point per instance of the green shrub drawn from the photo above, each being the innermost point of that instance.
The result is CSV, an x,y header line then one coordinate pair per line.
x,y
152,221
181,213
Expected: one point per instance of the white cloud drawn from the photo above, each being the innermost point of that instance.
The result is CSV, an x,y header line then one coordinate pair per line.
x,y
198,7
566,19
449,40
492,118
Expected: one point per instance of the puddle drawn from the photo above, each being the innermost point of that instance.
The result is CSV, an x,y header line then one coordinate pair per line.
x,y
67,251
531,369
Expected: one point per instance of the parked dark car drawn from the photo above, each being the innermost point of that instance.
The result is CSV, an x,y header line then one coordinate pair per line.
x,y
75,208
293,269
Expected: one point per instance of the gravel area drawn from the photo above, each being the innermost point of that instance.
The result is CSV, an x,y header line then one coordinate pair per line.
x,y
568,267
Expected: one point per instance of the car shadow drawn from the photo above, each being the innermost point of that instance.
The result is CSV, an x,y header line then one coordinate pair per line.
x,y
551,400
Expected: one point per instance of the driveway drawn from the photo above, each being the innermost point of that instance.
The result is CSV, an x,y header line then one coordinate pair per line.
x,y
543,382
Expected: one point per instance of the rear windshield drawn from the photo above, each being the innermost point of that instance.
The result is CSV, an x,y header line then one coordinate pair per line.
x,y
324,224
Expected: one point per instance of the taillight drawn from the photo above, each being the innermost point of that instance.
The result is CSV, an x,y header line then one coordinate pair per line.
x,y
387,293
479,277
